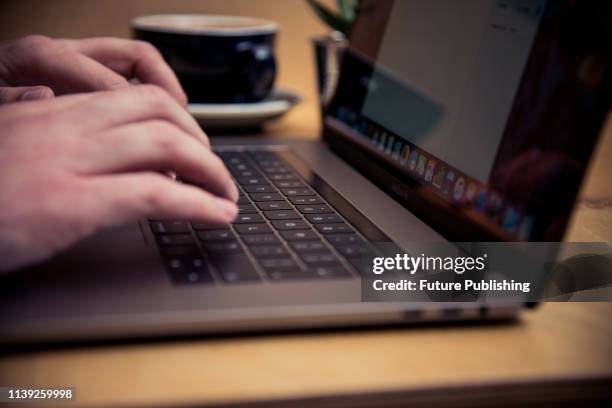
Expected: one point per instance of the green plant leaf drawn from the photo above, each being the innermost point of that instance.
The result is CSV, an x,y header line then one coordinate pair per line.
x,y
347,9
334,20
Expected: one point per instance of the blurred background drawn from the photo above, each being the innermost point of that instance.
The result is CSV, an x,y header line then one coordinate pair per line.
x,y
92,18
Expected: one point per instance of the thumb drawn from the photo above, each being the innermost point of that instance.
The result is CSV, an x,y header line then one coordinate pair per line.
x,y
24,93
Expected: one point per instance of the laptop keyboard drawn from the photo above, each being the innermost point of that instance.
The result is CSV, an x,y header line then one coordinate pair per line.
x,y
284,231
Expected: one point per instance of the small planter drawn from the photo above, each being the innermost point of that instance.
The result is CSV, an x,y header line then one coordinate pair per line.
x,y
328,50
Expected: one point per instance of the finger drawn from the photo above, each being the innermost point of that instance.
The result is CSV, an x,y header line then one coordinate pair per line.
x,y
135,104
24,93
121,198
159,145
92,112
36,60
132,59
45,109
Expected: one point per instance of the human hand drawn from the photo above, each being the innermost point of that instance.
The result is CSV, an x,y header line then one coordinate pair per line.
x,y
42,67
76,164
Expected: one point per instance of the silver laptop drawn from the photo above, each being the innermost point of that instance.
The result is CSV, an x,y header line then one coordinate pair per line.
x,y
451,121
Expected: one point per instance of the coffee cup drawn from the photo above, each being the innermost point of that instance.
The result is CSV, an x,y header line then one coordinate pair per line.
x,y
217,59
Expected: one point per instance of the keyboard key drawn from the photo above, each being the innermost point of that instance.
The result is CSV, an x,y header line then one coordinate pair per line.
x,y
188,270
170,227
246,173
266,197
292,192
233,163
184,262
239,167
274,205
329,272
246,209
248,218
289,184
280,274
323,218
298,200
191,276
175,239
268,251
200,226
230,247
262,155
279,169
216,235
179,251
235,268
343,239
355,250
260,239
271,164
299,235
231,157
279,263
315,209
260,189
320,259
245,181
243,200
285,176
308,246
290,225
333,228
252,228
282,215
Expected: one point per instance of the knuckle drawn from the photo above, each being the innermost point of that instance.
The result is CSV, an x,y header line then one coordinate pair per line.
x,y
154,195
114,81
145,48
165,137
36,42
27,52
154,95
152,91
205,140
161,127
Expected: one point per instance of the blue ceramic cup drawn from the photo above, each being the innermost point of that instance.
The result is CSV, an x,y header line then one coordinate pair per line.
x,y
217,59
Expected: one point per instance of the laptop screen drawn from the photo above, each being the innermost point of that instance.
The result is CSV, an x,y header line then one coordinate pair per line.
x,y
480,116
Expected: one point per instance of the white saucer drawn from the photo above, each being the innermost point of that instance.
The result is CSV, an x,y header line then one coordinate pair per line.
x,y
236,115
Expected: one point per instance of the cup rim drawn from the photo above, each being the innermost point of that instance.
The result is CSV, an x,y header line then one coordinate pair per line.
x,y
152,23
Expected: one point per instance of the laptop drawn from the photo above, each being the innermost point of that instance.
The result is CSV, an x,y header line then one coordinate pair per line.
x,y
451,121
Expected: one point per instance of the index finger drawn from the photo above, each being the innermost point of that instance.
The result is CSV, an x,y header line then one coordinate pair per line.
x,y
38,60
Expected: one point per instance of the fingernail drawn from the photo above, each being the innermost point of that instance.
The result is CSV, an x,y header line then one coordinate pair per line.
x,y
32,94
228,209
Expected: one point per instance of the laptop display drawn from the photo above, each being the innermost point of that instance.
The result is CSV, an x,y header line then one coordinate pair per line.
x,y
480,119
